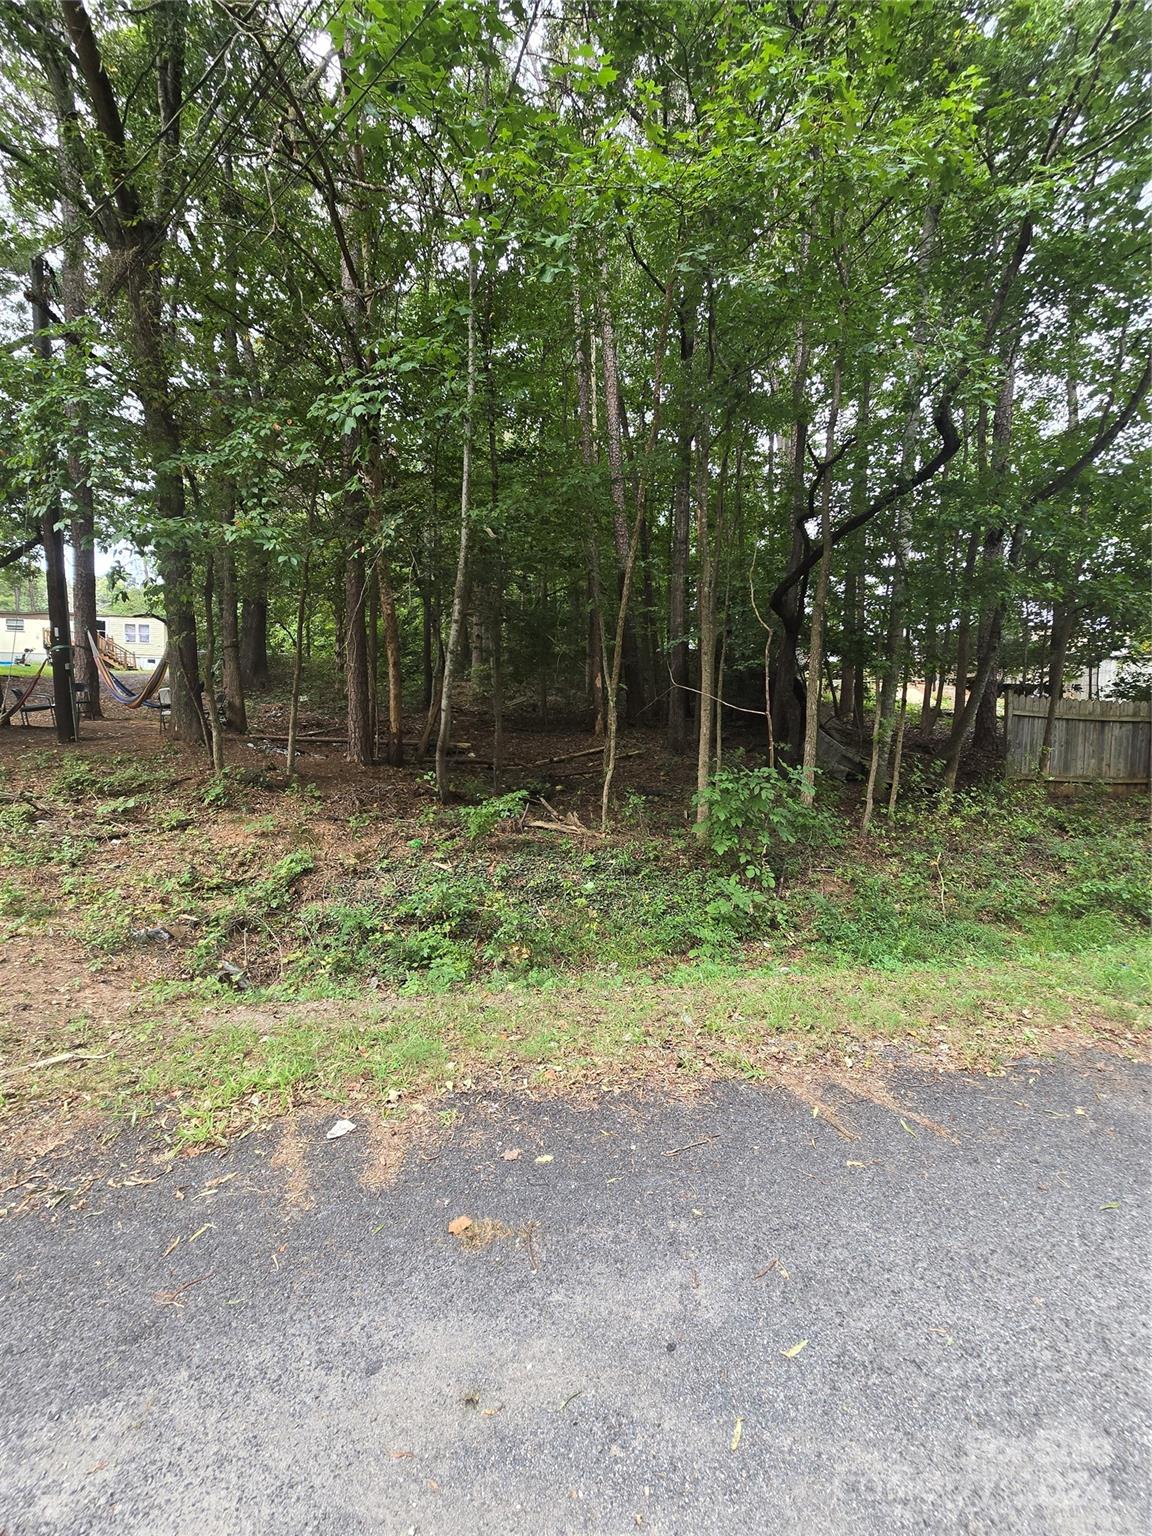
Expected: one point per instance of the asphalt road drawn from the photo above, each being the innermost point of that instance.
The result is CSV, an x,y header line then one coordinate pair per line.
x,y
974,1306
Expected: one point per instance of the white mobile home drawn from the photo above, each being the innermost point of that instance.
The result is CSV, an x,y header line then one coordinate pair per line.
x,y
132,641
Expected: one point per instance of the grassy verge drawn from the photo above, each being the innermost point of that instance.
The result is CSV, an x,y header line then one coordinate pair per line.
x,y
208,1072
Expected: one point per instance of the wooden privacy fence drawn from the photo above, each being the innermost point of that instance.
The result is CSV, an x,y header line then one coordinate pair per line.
x,y
1094,741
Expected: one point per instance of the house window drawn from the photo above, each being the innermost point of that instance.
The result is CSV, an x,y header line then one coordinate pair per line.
x,y
143,633
14,626
129,634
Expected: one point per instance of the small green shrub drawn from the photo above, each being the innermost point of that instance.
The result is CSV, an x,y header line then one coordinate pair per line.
x,y
755,814
480,820
174,820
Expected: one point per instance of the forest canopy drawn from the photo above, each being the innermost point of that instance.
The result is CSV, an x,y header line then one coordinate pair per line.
x,y
635,355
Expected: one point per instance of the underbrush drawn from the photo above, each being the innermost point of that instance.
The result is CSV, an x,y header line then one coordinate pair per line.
x,y
999,875
521,911
114,848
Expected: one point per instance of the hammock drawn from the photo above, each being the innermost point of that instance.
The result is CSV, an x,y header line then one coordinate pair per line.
x,y
21,698
120,691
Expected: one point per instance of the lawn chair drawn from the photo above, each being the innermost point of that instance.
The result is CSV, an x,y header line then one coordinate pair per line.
x,y
163,706
23,701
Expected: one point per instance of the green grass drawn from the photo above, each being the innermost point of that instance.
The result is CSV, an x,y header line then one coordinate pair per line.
x,y
208,1073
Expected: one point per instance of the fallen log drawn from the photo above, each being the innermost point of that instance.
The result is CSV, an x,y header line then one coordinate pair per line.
x,y
340,741
543,762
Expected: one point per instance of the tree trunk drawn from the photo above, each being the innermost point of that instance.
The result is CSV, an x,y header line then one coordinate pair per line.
x,y
427,640
460,586
787,689
211,710
898,749
299,641
848,666
986,736
873,765
585,388
896,659
882,721
254,671
986,665
395,752
373,650
137,237
356,659
964,627
677,718
254,643
819,603
235,709
60,650
173,560
614,438
83,530
852,686
706,623
643,469
235,712
498,685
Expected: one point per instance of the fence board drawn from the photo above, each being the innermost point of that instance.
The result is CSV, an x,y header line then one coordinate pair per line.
x,y
1106,741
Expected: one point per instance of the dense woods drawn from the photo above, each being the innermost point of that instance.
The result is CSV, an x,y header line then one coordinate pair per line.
x,y
608,360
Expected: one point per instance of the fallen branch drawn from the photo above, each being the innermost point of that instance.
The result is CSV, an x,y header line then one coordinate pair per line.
x,y
564,757
590,773
579,830
457,747
173,1298
55,1061
577,773
688,1146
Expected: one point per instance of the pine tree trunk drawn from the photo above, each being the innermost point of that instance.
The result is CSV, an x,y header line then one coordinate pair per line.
x,y
173,558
